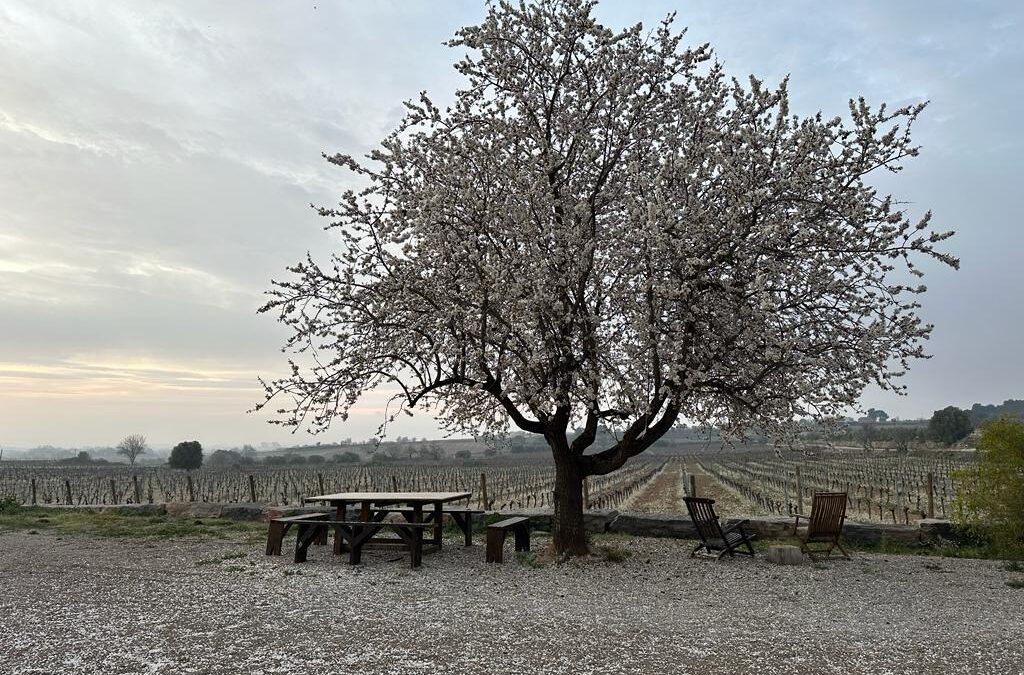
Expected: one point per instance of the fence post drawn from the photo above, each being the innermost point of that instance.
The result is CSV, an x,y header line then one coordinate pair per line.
x,y
252,489
394,483
799,493
483,491
693,485
320,482
931,495
67,491
191,489
33,490
138,489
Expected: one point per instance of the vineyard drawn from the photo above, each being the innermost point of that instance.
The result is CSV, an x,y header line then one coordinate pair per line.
x,y
897,489
515,486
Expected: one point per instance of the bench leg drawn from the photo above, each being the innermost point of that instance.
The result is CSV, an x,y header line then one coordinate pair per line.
x,y
495,545
522,534
275,535
308,533
465,523
416,550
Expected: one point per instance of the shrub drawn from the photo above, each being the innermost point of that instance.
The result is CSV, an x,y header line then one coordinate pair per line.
x,y
345,458
949,425
186,455
991,495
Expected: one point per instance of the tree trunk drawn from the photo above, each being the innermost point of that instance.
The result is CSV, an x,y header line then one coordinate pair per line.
x,y
567,522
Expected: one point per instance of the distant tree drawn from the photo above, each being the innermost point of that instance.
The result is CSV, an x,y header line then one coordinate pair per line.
x,y
224,458
868,435
82,457
875,415
605,229
991,493
949,425
345,458
490,452
186,455
1010,408
462,454
131,447
901,437
315,459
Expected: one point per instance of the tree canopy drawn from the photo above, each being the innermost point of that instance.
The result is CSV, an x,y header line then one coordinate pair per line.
x,y
186,455
991,498
949,425
131,447
604,230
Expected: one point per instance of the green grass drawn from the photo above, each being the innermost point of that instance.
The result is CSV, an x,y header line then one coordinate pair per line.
x,y
68,521
1015,583
611,553
530,559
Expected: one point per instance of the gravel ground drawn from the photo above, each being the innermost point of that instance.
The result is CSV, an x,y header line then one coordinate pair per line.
x,y
88,605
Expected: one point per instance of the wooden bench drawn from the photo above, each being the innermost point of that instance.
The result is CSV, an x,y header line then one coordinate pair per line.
x,y
462,515
496,532
356,533
279,528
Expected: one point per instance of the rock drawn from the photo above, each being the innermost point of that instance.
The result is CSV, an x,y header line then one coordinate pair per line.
x,y
875,533
242,511
205,509
784,555
765,527
138,509
177,509
120,509
596,522
936,531
654,525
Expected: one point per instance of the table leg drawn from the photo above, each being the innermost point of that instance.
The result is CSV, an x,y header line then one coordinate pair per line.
x,y
438,523
340,514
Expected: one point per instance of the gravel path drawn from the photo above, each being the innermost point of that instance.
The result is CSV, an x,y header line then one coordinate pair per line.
x,y
83,605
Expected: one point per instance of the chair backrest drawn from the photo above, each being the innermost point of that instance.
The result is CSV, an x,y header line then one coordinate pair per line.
x,y
702,513
828,511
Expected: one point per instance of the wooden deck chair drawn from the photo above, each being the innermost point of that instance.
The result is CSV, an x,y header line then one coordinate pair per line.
x,y
824,525
712,536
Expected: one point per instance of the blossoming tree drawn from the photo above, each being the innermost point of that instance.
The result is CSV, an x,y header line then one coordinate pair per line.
x,y
603,230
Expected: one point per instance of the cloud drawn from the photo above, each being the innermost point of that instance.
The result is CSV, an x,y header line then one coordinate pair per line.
x,y
158,159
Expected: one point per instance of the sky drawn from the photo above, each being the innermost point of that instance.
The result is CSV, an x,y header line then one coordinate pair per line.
x,y
158,161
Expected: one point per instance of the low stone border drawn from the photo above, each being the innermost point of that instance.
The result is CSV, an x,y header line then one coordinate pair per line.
x,y
672,525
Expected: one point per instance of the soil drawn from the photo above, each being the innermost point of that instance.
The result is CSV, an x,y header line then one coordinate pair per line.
x,y
89,605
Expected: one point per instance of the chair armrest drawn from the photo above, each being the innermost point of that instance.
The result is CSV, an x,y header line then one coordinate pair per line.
x,y
736,526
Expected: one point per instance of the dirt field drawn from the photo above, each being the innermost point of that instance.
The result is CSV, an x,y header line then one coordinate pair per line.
x,y
664,494
87,605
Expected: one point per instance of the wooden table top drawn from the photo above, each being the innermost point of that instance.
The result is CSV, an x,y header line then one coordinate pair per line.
x,y
405,497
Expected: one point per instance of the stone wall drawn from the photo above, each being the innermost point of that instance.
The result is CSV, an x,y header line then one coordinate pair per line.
x,y
673,525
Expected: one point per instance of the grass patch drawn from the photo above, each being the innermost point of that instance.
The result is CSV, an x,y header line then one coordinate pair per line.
x,y
1015,566
74,521
1015,583
531,560
614,554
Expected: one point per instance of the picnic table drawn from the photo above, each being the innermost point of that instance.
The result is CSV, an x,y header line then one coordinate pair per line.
x,y
420,508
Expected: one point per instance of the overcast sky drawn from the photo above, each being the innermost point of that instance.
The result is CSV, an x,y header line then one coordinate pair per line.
x,y
158,160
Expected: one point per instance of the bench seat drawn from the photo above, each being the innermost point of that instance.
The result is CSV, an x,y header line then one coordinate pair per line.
x,y
279,528
496,532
